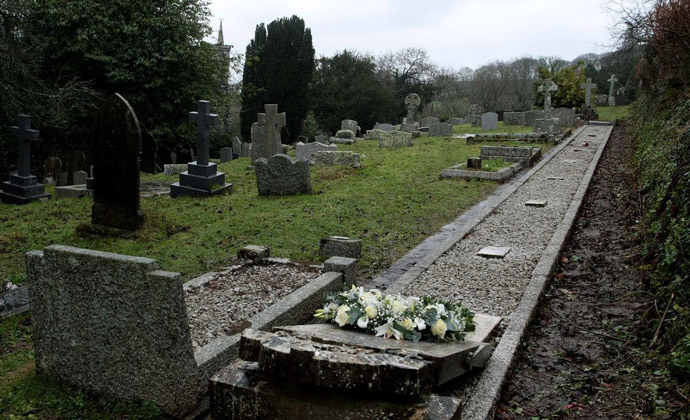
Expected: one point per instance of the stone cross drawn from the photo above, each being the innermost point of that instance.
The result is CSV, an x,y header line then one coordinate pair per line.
x,y
412,102
266,140
272,120
546,88
613,81
24,135
588,86
203,119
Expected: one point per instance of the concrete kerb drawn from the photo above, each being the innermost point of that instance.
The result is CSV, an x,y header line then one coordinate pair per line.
x,y
466,223
483,402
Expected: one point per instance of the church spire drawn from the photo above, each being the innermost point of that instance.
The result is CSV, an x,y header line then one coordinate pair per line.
x,y
220,34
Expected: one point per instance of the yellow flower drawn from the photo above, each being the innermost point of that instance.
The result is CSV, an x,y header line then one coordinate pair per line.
x,y
342,316
407,323
439,328
371,311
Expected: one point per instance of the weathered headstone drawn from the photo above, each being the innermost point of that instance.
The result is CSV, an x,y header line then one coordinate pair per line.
x,y
225,154
76,161
612,97
116,154
566,116
456,121
149,153
23,187
588,86
202,177
173,157
428,121
351,125
475,115
532,116
395,139
384,127
236,146
474,163
320,138
80,177
51,169
489,121
513,118
337,158
345,134
340,246
280,175
546,88
171,169
439,129
266,140
412,102
304,151
246,150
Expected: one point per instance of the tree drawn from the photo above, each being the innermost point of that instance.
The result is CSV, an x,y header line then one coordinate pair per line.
x,y
281,65
346,86
569,79
490,86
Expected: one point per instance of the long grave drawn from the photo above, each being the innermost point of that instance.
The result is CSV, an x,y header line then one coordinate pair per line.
x,y
523,157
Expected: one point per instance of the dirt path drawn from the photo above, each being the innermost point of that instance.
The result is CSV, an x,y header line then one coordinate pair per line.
x,y
587,354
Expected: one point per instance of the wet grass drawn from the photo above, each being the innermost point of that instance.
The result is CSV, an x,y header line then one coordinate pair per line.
x,y
468,129
610,113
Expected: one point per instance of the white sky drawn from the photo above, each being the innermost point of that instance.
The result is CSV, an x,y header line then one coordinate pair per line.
x,y
455,33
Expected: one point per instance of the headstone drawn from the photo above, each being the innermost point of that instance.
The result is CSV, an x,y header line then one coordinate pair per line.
x,y
116,154
532,116
351,125
384,127
489,121
612,98
566,116
456,121
75,162
173,157
587,86
428,121
340,246
225,154
412,102
439,129
320,138
345,134
149,153
546,88
23,187
246,150
202,178
51,169
280,175
113,324
266,140
396,139
80,177
475,115
408,127
236,146
474,163
513,118
304,151
337,158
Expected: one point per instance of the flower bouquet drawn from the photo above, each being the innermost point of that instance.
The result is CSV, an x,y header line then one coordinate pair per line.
x,y
402,317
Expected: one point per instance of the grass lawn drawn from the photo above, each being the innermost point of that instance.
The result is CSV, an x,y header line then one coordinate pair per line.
x,y
468,129
610,113
394,202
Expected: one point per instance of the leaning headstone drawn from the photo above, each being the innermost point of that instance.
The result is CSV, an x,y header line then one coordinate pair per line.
x,y
265,132
489,121
439,129
412,102
113,324
337,158
225,154
149,151
304,151
23,187
51,169
349,125
280,175
588,86
202,178
612,97
116,153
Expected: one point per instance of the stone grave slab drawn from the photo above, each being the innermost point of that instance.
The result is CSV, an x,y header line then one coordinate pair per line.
x,y
14,301
304,151
384,127
536,203
494,252
333,158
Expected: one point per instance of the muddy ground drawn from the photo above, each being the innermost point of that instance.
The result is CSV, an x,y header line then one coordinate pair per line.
x,y
588,354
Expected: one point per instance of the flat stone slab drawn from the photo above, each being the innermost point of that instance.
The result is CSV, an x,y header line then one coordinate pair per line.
x,y
13,302
555,178
494,251
536,203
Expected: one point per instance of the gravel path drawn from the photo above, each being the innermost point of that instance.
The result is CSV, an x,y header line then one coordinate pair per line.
x,y
224,304
495,286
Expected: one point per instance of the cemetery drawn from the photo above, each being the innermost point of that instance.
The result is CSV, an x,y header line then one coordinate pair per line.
x,y
209,232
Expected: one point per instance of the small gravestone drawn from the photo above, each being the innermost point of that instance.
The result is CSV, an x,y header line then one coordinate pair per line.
x,y
588,86
412,102
439,129
304,151
456,121
475,115
266,133
236,147
532,116
116,152
246,150
149,153
395,139
514,118
428,121
489,121
225,154
474,163
173,157
566,116
280,175
612,97
536,203
23,187
75,162
336,158
80,177
351,125
202,178
494,252
340,246
408,127
51,169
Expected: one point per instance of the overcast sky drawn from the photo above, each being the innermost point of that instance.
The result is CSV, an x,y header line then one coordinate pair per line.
x,y
455,33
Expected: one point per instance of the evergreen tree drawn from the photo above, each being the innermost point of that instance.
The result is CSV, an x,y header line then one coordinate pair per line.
x,y
253,81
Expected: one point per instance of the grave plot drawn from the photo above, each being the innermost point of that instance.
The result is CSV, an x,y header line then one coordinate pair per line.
x,y
494,163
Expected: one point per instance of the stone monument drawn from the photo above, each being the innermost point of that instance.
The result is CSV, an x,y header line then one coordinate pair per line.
x,y
412,102
280,175
23,187
612,86
489,121
588,86
547,124
266,133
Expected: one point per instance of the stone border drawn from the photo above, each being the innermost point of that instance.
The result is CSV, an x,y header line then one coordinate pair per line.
x,y
488,390
424,255
501,175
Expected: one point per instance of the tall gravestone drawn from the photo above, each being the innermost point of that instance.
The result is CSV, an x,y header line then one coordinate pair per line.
x,y
588,86
266,140
412,102
351,125
116,154
236,147
612,86
23,187
149,153
201,179
547,124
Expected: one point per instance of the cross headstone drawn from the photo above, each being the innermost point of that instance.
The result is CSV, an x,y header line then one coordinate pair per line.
x,y
266,140
116,154
22,186
588,86
412,102
546,88
204,120
612,98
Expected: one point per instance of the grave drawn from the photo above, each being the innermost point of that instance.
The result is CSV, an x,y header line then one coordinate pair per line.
x,y
475,115
305,150
514,118
246,150
588,86
489,121
566,116
532,116
548,125
334,158
320,138
280,175
149,151
391,139
612,98
456,121
340,246
75,162
351,125
116,152
384,127
202,178
439,129
236,147
23,187
345,134
340,140
225,154
428,121
494,252
412,102
51,170
525,155
266,140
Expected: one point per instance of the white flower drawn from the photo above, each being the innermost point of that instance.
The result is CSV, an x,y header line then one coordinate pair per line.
x,y
342,316
362,322
398,306
440,309
387,330
419,322
407,323
371,311
439,328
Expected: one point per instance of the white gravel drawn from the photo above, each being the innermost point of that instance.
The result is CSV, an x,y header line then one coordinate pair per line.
x,y
495,286
224,304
